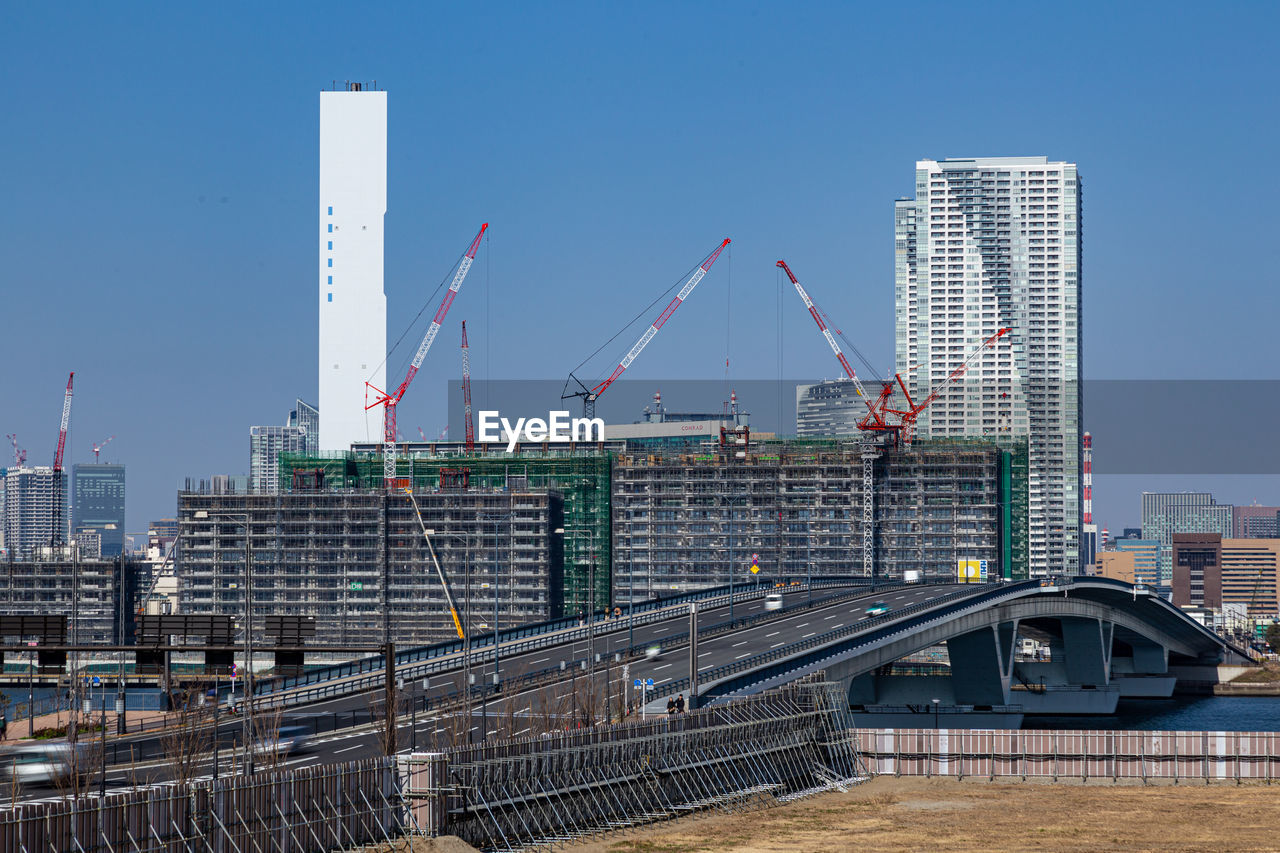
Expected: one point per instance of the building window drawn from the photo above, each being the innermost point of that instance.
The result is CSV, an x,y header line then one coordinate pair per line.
x,y
331,279
330,245
331,210
331,262
330,227
330,297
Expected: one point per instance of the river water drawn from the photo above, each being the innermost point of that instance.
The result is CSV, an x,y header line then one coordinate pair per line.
x,y
1208,713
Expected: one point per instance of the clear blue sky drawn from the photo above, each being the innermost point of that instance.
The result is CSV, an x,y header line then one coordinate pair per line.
x,y
159,189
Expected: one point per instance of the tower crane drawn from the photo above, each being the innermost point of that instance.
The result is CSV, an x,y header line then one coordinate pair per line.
x,y
58,491
881,418
466,390
97,448
389,401
590,395
19,455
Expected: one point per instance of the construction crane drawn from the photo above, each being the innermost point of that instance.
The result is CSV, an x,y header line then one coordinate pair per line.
x,y
389,401
58,509
448,596
590,395
874,419
881,418
19,455
466,390
97,448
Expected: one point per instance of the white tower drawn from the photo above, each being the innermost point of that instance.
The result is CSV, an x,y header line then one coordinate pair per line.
x,y
353,306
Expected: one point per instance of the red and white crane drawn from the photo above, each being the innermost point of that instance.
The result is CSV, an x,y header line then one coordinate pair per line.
x,y
58,491
874,419
466,390
97,448
590,395
390,400
19,455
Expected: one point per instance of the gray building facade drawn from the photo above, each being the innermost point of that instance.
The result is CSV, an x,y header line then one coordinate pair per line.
x,y
1167,513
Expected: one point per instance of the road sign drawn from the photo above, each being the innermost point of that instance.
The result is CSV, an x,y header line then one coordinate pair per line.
x,y
355,586
648,682
755,564
96,681
638,683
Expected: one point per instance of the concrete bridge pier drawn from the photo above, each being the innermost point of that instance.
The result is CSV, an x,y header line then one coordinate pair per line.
x,y
1077,677
1143,673
982,664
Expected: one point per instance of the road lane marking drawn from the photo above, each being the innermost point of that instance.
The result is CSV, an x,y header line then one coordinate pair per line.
x,y
803,625
349,748
775,645
832,616
774,634
810,634
743,643
664,666
704,654
741,656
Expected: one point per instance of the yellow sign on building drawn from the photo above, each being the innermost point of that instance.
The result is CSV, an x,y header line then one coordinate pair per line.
x,y
971,571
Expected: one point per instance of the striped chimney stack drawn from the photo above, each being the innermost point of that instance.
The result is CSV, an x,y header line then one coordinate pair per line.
x,y
1088,479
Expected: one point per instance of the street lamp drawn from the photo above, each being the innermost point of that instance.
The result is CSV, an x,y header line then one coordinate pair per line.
x,y
935,712
246,713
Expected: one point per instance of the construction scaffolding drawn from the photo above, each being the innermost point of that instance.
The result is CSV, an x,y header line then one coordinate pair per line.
x,y
579,476
793,508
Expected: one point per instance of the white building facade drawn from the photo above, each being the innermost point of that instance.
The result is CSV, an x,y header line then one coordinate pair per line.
x,y
34,497
990,243
353,305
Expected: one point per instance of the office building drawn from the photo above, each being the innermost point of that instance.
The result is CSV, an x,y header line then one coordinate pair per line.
x,y
34,497
306,417
1167,513
1197,569
1117,565
829,409
99,503
266,443
1255,522
357,560
1223,572
1146,556
353,306
1249,575
986,244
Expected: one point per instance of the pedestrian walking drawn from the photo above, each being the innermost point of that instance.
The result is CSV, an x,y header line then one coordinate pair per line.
x,y
671,706
4,727
680,704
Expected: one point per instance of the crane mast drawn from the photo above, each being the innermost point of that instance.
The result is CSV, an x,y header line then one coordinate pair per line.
x,y
58,491
590,395
389,401
19,455
97,448
466,390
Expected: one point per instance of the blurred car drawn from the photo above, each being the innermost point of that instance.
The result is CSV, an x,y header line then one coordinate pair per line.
x,y
773,601
654,652
878,608
41,763
286,741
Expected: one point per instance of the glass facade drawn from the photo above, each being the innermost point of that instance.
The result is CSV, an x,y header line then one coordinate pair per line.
x,y
99,503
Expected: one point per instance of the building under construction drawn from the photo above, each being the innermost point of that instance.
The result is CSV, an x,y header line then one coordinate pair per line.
x,y
358,560
791,509
93,594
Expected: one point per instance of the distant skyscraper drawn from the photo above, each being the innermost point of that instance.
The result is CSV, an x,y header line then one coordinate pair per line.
x,y
353,307
990,243
266,443
307,417
1146,559
99,503
30,506
828,408
1167,513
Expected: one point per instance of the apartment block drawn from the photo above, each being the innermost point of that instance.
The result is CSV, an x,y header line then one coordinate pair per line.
x,y
358,561
34,497
793,509
985,244
1249,574
94,595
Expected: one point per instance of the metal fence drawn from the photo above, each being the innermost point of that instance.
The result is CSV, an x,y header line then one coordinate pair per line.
x,y
1086,755
563,786
307,810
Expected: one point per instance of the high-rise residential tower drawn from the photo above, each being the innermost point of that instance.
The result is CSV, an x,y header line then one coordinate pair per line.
x,y
989,243
353,307
99,503
307,417
31,506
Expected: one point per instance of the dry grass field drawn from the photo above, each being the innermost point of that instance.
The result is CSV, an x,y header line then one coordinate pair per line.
x,y
889,814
